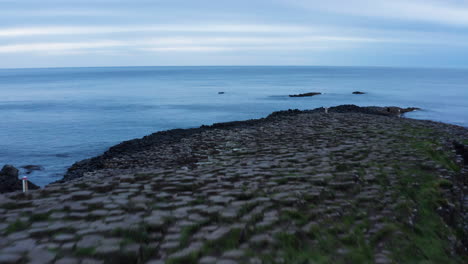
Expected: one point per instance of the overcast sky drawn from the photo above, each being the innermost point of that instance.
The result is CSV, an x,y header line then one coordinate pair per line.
x,y
407,33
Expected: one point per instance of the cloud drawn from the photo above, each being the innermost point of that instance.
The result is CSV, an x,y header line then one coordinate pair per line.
x,y
87,30
447,12
235,48
59,13
195,44
55,47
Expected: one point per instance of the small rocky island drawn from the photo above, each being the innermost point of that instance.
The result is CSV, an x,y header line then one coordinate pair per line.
x,y
354,185
304,94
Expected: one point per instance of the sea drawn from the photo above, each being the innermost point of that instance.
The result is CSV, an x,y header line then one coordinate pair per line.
x,y
56,116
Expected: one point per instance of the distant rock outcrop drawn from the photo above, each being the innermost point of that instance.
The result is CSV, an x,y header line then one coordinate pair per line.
x,y
30,168
9,181
358,92
304,94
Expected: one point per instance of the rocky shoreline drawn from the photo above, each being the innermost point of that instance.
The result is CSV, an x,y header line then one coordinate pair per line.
x,y
341,185
176,135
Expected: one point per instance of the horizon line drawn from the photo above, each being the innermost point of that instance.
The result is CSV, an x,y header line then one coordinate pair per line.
x,y
246,66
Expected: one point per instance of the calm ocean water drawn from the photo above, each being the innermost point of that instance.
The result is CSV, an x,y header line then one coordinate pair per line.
x,y
54,117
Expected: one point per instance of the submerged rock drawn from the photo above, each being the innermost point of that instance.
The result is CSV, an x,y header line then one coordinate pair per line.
x,y
30,168
304,94
9,181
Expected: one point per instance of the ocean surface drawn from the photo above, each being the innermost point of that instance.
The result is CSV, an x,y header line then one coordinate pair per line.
x,y
55,117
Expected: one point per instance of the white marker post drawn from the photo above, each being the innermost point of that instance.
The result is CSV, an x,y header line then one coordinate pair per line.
x,y
25,184
326,110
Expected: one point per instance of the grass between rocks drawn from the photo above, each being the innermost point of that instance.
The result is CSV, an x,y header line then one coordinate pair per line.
x,y
427,236
424,238
85,252
16,226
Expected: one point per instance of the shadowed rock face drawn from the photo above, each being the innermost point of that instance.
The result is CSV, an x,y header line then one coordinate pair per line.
x,y
9,181
462,150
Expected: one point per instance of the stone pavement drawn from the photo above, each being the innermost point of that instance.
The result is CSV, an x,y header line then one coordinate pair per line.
x,y
305,188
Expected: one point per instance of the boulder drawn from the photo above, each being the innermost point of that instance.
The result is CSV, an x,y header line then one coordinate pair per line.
x,y
304,94
9,181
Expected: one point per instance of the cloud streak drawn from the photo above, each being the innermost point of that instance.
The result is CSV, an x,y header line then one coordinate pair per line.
x,y
196,44
447,12
88,30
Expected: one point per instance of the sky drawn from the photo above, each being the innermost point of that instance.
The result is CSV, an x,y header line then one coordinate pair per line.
x,y
92,33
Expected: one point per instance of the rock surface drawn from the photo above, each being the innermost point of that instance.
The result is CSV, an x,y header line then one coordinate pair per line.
x,y
111,158
295,187
9,181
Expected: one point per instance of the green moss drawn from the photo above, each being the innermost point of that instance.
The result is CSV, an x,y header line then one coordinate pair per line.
x,y
230,241
188,259
428,237
85,252
139,234
386,232
39,217
199,200
187,233
296,216
446,184
343,167
430,149
281,181
16,226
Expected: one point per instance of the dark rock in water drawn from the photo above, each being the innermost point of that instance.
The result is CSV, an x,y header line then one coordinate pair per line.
x,y
304,94
9,181
62,155
31,168
358,92
221,93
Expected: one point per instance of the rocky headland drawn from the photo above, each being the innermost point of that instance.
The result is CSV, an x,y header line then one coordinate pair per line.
x,y
354,185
